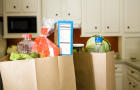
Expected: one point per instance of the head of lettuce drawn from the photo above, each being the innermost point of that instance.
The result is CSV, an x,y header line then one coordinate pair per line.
x,y
90,46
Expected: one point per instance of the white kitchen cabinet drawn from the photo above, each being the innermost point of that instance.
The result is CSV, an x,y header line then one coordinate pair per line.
x,y
20,5
110,15
72,10
91,21
132,15
119,81
62,10
51,9
12,5
119,76
1,7
132,78
100,16
131,47
132,84
30,5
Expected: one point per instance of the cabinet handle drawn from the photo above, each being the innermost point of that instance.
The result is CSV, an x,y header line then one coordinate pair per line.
x,y
56,14
68,14
14,6
108,27
96,27
134,86
132,72
27,6
116,68
128,27
130,83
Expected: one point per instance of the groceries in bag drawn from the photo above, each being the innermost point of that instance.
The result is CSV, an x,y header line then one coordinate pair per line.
x,y
43,46
91,44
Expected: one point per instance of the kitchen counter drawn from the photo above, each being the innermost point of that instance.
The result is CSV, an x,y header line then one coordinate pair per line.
x,y
134,64
119,61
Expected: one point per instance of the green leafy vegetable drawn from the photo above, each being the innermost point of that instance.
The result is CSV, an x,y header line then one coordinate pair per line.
x,y
15,56
90,46
34,54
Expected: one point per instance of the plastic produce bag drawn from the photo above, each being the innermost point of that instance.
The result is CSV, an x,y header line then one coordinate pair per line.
x,y
49,24
43,46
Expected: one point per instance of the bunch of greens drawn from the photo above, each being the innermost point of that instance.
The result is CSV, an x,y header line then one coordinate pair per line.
x,y
17,56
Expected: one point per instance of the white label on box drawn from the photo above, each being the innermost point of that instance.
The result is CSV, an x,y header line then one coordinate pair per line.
x,y
65,25
65,48
65,36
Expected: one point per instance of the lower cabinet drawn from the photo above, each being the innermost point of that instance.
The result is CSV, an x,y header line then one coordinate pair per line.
x,y
119,81
119,76
132,84
132,79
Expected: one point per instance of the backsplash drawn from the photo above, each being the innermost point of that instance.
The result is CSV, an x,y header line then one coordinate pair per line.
x,y
76,39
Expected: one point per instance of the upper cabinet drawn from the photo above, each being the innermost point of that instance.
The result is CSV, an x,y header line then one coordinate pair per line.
x,y
100,16
91,21
132,15
29,5
110,15
20,5
12,5
51,9
1,7
62,10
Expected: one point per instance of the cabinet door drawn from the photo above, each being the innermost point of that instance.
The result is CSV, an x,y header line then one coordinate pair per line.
x,y
73,10
129,84
51,9
90,17
119,81
136,85
1,7
30,5
110,15
12,5
132,15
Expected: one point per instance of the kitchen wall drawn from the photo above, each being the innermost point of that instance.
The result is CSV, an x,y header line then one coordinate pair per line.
x,y
76,39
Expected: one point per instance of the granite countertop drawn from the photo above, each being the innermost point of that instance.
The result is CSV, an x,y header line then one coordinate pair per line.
x,y
119,61
134,64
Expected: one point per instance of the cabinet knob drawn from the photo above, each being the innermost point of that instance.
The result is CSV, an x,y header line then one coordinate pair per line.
x,y
96,27
128,27
132,72
130,83
115,68
68,14
14,6
27,6
108,27
56,14
134,86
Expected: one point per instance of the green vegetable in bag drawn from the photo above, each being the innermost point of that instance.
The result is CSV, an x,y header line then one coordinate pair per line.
x,y
90,46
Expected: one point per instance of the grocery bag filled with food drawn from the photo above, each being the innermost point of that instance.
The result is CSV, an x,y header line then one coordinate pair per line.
x,y
40,47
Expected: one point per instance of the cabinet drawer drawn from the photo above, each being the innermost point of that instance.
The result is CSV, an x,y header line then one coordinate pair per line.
x,y
118,68
134,73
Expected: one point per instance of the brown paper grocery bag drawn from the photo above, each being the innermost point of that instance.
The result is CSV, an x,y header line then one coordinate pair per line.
x,y
30,74
39,74
47,72
66,73
95,71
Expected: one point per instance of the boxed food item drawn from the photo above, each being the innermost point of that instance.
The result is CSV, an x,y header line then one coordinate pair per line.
x,y
63,37
52,73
